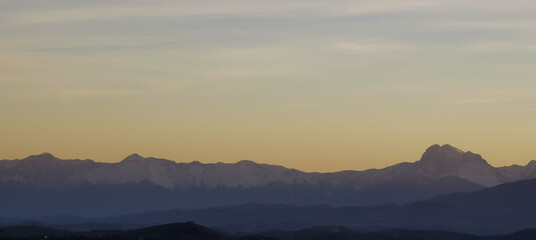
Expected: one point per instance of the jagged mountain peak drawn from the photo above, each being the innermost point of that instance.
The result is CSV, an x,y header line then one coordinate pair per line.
x,y
450,154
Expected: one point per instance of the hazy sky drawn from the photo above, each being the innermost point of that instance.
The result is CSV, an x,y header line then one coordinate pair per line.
x,y
315,85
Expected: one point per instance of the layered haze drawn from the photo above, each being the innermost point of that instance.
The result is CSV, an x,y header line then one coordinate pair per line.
x,y
314,85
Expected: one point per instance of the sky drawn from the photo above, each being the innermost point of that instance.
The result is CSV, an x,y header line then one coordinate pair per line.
x,y
315,85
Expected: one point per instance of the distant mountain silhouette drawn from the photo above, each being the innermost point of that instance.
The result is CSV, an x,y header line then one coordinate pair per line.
x,y
140,184
498,210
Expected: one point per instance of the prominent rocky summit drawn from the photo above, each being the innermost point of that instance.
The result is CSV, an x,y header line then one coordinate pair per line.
x,y
447,160
441,169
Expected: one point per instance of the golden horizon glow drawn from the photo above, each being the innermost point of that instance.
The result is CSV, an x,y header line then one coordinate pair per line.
x,y
312,85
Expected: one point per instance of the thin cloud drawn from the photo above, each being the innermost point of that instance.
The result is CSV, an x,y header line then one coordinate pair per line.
x,y
367,46
250,8
112,10
476,101
75,93
518,24
483,47
85,92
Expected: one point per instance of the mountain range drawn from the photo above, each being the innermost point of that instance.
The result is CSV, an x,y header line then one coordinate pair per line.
x,y
45,185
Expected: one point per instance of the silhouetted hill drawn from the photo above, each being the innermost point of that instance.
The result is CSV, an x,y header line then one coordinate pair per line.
x,y
192,231
342,233
31,231
527,234
173,231
509,195
500,209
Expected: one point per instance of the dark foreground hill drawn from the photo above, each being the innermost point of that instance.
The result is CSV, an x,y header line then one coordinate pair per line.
x,y
173,231
342,233
192,231
24,232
